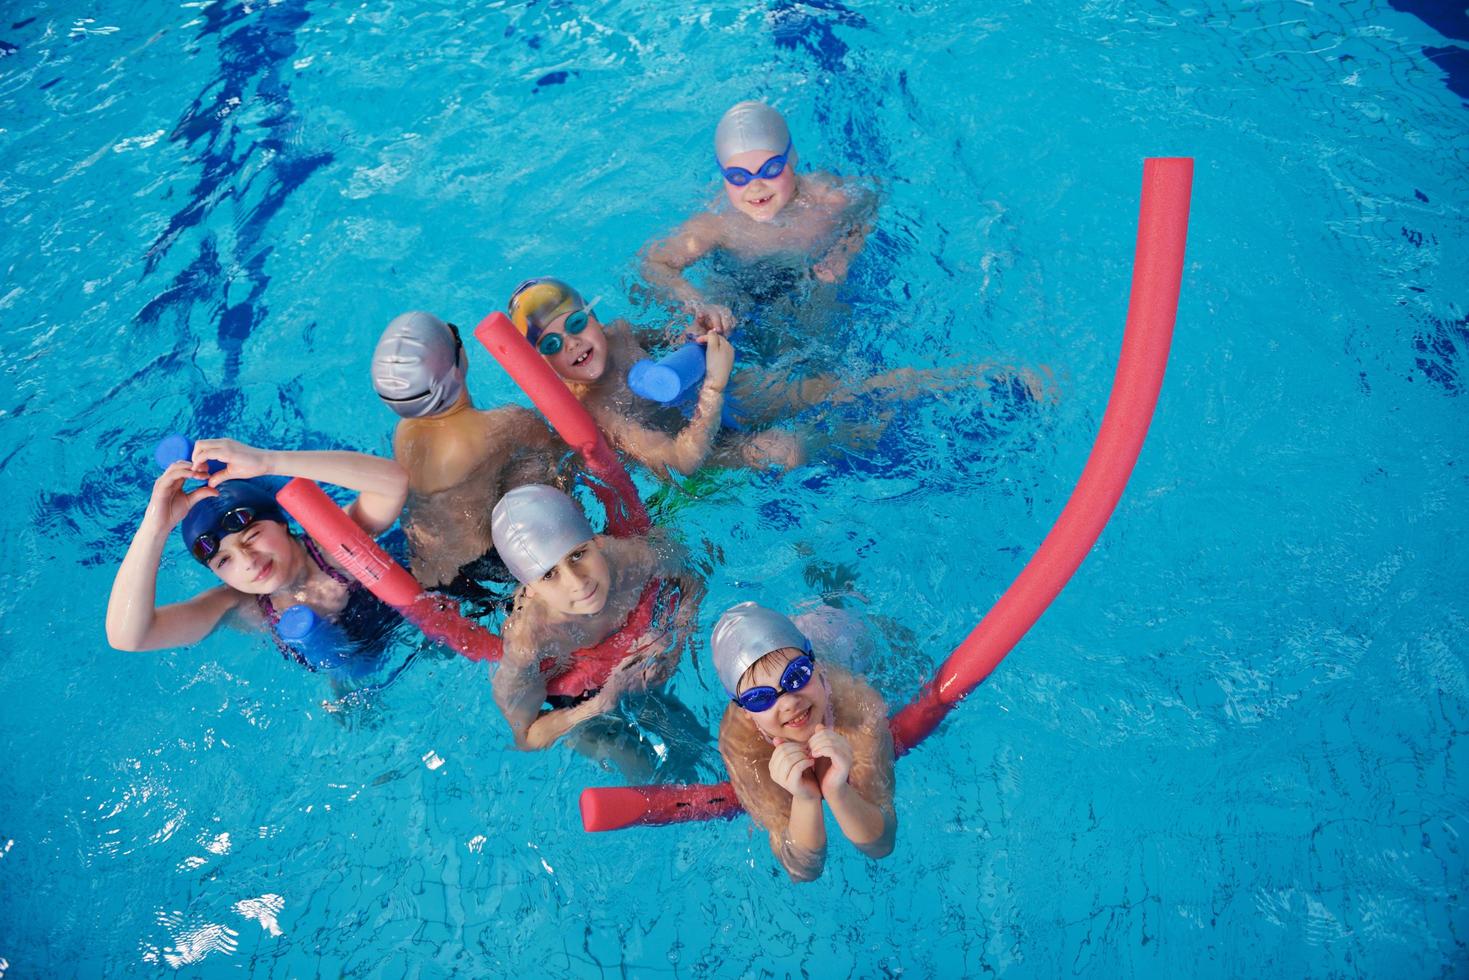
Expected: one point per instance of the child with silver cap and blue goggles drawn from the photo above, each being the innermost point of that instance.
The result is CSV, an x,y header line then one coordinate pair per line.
x,y
596,619
801,736
459,459
777,228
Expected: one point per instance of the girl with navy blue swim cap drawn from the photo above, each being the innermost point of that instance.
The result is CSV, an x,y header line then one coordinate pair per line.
x,y
233,526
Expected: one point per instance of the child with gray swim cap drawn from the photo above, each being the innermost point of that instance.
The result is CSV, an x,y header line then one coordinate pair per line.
x,y
802,735
459,459
799,226
596,619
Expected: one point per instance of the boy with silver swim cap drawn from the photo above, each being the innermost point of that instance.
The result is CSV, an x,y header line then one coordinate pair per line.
x,y
419,365
459,459
596,619
778,228
802,734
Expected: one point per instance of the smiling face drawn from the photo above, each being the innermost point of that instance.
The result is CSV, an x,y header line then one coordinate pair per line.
x,y
761,199
258,560
583,356
576,585
795,713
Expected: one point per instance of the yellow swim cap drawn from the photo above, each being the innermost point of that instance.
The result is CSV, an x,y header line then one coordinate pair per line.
x,y
538,301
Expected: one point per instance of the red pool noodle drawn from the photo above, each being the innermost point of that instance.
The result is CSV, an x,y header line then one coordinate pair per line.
x,y
353,549
626,515
1157,271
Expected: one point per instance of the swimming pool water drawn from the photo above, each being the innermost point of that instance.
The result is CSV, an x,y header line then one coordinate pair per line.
x,y
1233,745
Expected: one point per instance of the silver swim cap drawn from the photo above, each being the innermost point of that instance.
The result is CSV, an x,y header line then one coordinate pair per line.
x,y
419,365
536,526
750,126
744,634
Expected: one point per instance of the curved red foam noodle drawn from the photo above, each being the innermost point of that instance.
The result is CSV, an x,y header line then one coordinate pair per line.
x,y
626,515
1156,275
356,551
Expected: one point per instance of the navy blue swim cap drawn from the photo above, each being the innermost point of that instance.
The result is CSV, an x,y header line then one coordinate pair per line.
x,y
240,503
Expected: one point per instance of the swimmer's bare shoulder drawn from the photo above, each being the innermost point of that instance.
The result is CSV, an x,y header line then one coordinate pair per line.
x,y
699,235
241,611
633,563
440,457
746,758
824,190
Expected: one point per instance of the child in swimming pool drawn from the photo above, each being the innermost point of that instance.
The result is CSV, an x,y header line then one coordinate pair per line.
x,y
459,459
798,226
233,526
801,736
596,619
593,359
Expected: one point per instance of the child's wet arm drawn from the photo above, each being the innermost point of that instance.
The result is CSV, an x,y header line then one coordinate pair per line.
x,y
520,691
549,726
797,840
685,452
866,813
665,261
802,864
871,828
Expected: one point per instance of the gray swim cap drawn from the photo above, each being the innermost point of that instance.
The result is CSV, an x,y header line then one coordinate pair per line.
x,y
536,526
419,365
744,634
750,126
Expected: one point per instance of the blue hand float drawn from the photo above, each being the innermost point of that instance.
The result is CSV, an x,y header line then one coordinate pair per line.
x,y
671,380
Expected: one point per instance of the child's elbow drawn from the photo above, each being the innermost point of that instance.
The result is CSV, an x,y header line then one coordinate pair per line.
x,y
124,641
802,876
879,849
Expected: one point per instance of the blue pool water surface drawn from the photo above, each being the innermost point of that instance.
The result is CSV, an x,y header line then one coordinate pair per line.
x,y
1231,747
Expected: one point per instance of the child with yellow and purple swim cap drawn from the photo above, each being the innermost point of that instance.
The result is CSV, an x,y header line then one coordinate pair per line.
x,y
808,222
594,359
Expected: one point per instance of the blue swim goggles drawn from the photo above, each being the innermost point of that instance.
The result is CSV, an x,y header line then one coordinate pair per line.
x,y
769,170
798,674
550,344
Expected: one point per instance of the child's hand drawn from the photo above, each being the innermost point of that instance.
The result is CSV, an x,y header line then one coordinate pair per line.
x,y
168,502
241,462
712,318
718,358
828,744
794,771
833,268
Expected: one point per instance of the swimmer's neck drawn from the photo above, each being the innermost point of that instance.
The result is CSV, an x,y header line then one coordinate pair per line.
x,y
461,405
303,569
